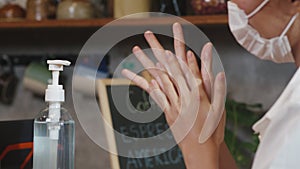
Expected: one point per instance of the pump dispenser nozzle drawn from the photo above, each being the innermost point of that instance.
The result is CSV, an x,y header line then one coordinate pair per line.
x,y
55,93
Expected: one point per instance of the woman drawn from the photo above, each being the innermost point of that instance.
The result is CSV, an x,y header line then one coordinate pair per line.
x,y
268,29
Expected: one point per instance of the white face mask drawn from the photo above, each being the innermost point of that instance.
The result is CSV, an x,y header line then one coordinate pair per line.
x,y
277,49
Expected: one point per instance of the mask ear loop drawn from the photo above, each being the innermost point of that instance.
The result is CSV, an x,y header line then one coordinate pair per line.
x,y
286,29
258,8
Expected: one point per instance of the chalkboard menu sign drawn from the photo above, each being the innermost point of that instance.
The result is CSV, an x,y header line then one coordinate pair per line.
x,y
124,120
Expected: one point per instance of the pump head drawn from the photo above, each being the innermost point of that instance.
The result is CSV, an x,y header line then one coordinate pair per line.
x,y
55,92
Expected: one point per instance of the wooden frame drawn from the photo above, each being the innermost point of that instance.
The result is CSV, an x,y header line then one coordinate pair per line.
x,y
104,106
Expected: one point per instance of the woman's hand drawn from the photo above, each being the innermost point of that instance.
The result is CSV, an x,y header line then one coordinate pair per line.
x,y
184,95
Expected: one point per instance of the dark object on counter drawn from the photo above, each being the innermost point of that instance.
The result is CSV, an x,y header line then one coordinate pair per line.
x,y
8,81
203,7
174,7
52,7
102,8
37,9
11,11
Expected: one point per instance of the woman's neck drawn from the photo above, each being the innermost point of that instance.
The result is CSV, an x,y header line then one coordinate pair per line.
x,y
296,52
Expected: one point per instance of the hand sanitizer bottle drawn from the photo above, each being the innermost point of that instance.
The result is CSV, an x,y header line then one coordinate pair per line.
x,y
54,128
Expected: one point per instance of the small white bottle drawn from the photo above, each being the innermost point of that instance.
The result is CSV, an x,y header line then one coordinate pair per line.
x,y
54,128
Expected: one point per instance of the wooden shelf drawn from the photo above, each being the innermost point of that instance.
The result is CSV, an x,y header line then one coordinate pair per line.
x,y
66,37
196,20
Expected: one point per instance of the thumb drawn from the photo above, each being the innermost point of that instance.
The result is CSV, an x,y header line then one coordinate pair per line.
x,y
216,109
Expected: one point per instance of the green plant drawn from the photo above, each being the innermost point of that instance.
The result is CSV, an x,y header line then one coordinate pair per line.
x,y
239,136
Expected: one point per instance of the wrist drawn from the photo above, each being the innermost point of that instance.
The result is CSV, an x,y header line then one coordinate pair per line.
x,y
196,154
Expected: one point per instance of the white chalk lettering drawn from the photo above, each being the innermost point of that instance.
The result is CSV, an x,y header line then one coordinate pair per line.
x,y
144,131
171,157
124,132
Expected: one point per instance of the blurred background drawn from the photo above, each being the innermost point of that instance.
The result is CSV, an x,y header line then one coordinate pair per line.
x,y
32,31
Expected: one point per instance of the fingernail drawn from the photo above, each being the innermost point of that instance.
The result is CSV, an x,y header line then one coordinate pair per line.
x,y
128,74
189,54
176,26
208,50
148,33
168,54
123,72
135,48
221,76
